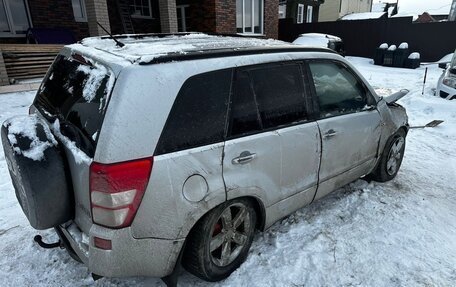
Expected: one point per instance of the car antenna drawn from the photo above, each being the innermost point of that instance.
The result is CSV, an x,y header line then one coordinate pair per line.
x,y
118,43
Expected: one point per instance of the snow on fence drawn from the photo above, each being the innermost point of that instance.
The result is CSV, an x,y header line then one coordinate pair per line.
x,y
362,37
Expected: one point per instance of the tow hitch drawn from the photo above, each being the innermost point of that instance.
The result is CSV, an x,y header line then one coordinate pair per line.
x,y
39,239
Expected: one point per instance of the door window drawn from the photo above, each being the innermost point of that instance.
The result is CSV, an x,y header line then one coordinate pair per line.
x,y
244,111
198,116
267,97
279,93
337,89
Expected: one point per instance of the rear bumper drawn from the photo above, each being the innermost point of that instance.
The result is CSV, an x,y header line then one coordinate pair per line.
x,y
129,256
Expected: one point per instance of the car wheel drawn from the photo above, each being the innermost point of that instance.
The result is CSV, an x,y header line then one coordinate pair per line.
x,y
391,158
220,241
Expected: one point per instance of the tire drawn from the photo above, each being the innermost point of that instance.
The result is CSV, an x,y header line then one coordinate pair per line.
x,y
391,158
43,188
216,228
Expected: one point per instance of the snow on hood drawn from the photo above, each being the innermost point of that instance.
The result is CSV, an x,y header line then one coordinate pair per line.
x,y
25,127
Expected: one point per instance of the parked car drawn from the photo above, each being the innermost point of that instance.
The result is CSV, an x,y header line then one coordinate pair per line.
x,y
446,86
321,40
174,149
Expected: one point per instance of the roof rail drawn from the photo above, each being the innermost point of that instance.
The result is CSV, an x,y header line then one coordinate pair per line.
x,y
231,52
162,35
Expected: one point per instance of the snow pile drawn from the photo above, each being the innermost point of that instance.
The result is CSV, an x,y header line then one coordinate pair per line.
x,y
363,16
25,127
392,48
414,56
384,46
404,45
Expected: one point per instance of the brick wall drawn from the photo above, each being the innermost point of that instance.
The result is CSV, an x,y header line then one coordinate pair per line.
x,y
97,11
271,18
56,14
225,16
219,16
168,19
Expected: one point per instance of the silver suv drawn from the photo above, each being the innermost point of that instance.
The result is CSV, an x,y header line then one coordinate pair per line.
x,y
169,149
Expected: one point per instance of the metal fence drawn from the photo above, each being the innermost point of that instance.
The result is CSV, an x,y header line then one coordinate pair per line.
x,y
361,37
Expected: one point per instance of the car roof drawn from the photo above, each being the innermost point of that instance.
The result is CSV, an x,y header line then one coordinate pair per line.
x,y
159,48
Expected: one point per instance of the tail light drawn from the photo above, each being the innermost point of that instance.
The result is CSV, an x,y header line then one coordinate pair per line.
x,y
116,191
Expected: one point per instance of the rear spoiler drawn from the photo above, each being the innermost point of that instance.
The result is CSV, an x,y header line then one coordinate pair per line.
x,y
396,96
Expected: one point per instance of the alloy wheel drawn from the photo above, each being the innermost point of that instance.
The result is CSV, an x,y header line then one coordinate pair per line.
x,y
230,234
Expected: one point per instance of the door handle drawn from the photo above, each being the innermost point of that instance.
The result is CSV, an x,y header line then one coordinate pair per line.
x,y
243,158
330,134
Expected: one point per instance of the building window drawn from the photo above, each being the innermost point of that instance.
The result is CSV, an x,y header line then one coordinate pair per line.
x,y
79,10
300,16
182,18
14,18
140,9
282,9
249,16
309,14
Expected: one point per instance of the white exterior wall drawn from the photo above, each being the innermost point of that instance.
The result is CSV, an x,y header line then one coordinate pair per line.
x,y
355,6
332,10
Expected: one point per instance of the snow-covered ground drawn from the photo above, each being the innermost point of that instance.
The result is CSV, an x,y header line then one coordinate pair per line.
x,y
400,233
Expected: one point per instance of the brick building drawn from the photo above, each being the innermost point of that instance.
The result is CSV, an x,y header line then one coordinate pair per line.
x,y
79,17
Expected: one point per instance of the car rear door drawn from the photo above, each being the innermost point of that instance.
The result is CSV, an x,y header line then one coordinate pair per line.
x,y
349,123
73,99
272,149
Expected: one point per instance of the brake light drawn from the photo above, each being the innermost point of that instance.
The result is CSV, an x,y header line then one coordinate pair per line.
x,y
116,191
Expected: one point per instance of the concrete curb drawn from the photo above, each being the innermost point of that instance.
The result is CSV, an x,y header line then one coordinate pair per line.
x,y
19,88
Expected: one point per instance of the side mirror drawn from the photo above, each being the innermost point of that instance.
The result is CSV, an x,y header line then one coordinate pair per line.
x,y
443,65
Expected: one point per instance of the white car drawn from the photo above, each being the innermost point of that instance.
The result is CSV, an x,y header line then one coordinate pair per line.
x,y
446,86
321,40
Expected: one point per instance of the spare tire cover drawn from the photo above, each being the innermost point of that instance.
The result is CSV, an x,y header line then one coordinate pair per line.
x,y
37,167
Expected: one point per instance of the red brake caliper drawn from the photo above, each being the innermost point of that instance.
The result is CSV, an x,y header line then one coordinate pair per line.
x,y
217,228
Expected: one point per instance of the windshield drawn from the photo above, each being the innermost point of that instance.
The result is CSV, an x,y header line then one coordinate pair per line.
x,y
76,93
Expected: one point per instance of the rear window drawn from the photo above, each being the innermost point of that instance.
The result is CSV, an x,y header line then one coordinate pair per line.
x,y
76,93
198,116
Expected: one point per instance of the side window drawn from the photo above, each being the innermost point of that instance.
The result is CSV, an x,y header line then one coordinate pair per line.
x,y
279,93
244,111
198,116
338,90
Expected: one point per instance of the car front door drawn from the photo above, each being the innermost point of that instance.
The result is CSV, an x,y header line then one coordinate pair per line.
x,y
350,125
272,149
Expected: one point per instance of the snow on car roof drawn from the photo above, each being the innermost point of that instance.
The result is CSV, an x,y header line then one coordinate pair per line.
x,y
363,16
146,48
